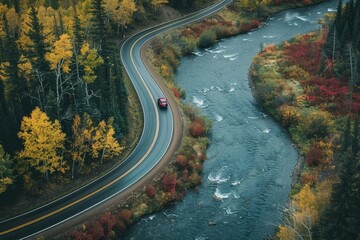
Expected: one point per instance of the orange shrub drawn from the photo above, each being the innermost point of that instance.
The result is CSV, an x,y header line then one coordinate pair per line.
x,y
197,128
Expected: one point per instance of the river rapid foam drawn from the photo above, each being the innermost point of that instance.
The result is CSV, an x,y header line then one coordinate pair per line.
x,y
247,177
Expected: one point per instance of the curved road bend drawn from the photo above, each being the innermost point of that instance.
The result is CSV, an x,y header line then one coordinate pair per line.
x,y
152,145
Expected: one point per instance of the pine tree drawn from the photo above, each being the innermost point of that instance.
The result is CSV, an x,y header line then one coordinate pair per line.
x,y
38,48
78,31
120,100
334,224
18,93
99,28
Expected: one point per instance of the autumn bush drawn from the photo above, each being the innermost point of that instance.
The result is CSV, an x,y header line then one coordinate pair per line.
x,y
169,183
314,156
151,190
181,161
197,128
207,39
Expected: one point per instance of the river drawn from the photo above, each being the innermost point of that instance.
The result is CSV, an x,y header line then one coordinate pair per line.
x,y
247,176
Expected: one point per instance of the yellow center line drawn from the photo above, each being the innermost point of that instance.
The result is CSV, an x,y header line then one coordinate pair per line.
x,y
128,171
110,183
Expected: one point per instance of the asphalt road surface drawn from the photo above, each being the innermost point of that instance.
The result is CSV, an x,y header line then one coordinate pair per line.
x,y
153,144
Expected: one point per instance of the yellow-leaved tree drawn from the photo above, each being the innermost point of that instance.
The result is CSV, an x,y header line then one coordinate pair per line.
x,y
43,143
105,144
83,131
126,11
60,60
300,216
6,171
90,60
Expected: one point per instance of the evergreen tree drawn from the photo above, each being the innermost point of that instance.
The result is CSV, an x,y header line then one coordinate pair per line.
x,y
334,224
338,20
355,138
78,32
99,28
36,54
354,216
347,136
121,95
18,93
38,47
52,3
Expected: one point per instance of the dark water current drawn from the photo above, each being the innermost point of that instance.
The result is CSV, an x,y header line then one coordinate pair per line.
x,y
247,177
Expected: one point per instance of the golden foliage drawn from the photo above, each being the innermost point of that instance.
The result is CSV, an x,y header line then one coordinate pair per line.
x,y
82,130
289,114
43,140
120,12
25,66
90,60
104,142
127,9
61,54
164,70
301,216
4,182
285,233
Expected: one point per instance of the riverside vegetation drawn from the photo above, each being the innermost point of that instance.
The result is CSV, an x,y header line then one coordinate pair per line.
x,y
66,73
310,85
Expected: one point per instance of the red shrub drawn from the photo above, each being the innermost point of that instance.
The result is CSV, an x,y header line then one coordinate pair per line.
x,y
176,92
305,53
125,215
80,235
108,221
169,182
150,191
96,230
314,156
330,91
197,128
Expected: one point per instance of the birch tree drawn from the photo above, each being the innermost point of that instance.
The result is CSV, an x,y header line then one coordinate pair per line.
x,y
60,60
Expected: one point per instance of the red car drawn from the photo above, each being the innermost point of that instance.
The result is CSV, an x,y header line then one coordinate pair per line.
x,y
163,103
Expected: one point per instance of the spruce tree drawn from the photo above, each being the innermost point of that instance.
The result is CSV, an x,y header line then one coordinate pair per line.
x,y
36,54
18,92
99,29
78,31
338,20
334,224
122,98
38,48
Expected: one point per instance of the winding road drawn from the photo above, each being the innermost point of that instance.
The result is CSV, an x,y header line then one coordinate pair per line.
x,y
154,143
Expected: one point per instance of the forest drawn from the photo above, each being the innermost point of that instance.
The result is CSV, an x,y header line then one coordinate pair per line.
x,y
63,102
64,106
310,84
